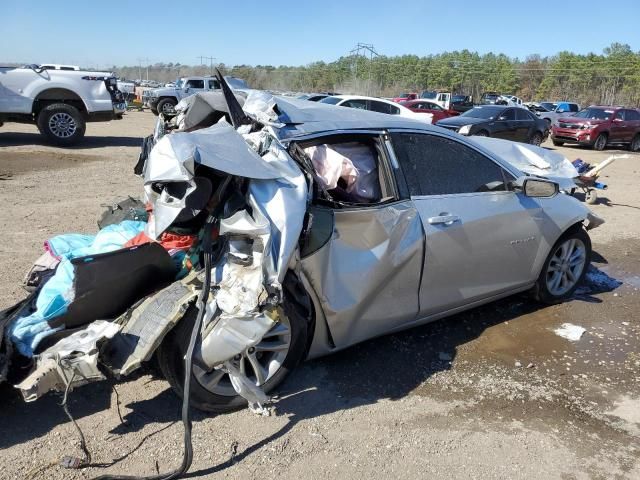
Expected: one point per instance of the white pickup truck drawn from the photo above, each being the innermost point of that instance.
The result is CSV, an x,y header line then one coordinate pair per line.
x,y
163,100
58,101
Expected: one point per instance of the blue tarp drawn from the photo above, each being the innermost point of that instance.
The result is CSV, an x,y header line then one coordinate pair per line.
x,y
57,293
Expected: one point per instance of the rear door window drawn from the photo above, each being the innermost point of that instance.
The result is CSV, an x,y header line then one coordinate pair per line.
x,y
522,114
434,165
361,104
632,115
383,107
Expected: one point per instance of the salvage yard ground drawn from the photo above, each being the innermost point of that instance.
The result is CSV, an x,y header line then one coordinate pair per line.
x,y
491,393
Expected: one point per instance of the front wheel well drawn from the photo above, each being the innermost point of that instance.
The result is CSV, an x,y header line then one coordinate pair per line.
x,y
297,301
58,95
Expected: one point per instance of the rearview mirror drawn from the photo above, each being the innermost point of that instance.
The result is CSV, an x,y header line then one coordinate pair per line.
x,y
536,187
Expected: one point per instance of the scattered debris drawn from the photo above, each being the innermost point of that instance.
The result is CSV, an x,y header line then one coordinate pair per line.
x,y
570,331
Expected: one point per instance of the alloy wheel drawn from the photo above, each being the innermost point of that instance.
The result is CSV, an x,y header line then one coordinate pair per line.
x,y
259,363
601,142
566,266
62,125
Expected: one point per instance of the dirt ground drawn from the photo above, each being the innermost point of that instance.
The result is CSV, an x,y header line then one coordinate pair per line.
x,y
491,393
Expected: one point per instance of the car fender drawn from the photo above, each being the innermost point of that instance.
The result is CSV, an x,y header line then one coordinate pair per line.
x,y
560,214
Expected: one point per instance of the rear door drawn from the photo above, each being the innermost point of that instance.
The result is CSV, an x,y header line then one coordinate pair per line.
x,y
481,238
620,130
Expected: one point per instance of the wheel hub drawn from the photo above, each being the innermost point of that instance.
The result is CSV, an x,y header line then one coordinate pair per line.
x,y
566,266
259,363
62,125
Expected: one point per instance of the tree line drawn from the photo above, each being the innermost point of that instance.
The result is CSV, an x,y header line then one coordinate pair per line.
x,y
612,77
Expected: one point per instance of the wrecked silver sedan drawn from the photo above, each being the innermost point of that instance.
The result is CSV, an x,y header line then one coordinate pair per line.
x,y
274,230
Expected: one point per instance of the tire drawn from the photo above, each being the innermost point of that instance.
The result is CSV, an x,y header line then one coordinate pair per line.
x,y
536,139
223,398
62,124
601,142
556,143
482,133
166,105
634,146
559,262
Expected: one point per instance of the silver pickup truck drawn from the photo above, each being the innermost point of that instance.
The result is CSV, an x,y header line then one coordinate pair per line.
x,y
58,101
163,100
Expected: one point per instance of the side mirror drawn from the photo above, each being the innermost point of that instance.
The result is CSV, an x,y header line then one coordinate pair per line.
x,y
502,119
617,120
536,187
186,90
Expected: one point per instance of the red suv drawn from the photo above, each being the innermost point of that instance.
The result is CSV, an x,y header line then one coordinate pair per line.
x,y
599,126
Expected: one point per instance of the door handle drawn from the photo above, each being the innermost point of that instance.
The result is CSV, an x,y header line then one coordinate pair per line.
x,y
443,219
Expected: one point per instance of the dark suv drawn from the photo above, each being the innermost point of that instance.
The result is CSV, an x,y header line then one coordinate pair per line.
x,y
598,126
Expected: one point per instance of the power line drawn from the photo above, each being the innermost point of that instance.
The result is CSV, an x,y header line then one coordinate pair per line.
x,y
211,59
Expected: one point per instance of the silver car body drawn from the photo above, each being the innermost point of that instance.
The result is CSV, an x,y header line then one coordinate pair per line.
x,y
391,266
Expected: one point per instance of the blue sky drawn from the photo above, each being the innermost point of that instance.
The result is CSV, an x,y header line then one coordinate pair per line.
x,y
99,34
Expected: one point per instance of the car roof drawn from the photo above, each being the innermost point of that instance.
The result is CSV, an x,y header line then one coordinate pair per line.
x,y
301,118
362,97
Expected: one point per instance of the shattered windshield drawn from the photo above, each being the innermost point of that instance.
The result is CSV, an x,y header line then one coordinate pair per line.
x,y
594,114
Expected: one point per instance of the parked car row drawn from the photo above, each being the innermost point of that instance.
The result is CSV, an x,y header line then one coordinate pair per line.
x,y
379,105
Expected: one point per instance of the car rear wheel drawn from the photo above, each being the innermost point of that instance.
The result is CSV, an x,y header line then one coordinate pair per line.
x,y
635,144
601,142
564,268
267,364
166,106
61,123
536,139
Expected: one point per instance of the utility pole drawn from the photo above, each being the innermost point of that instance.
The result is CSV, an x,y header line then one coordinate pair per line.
x,y
361,49
140,60
211,59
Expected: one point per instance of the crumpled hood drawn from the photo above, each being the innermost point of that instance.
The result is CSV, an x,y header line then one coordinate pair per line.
x,y
531,159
